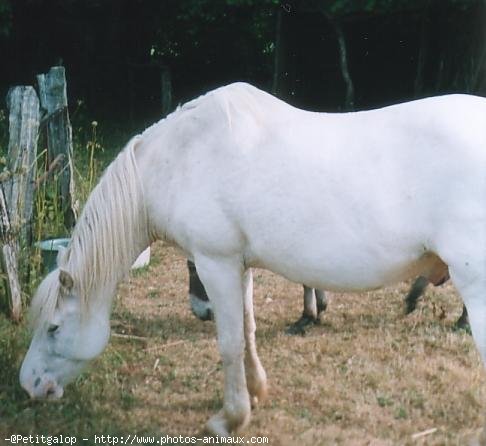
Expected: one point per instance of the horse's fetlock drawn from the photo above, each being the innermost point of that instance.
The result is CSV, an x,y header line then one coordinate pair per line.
x,y
238,415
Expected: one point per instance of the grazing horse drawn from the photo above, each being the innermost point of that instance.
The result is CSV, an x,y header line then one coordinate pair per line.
x,y
239,179
315,302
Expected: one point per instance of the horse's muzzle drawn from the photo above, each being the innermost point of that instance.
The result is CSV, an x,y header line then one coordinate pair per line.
x,y
44,387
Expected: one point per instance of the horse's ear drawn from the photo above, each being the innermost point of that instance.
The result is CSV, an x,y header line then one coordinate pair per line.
x,y
66,280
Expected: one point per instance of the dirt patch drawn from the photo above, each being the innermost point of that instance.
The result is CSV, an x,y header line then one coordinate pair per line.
x,y
368,375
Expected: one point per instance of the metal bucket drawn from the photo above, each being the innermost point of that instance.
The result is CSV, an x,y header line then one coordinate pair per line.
x,y
142,260
49,250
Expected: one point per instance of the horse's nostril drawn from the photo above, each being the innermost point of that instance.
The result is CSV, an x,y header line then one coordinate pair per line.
x,y
50,391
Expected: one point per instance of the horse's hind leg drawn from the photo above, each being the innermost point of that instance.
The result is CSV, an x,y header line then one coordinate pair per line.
x,y
223,281
309,315
256,378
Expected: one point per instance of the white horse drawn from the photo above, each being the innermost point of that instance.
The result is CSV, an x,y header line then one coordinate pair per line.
x,y
239,179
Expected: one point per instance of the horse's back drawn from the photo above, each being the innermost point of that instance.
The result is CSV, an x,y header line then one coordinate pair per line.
x,y
316,195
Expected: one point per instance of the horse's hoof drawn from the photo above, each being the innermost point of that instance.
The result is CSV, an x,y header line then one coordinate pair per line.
x,y
220,426
295,329
410,306
298,328
217,426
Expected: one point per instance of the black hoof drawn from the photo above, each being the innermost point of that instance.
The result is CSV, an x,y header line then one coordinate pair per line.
x,y
410,306
299,327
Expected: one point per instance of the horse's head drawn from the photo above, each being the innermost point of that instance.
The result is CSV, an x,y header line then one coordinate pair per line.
x,y
67,335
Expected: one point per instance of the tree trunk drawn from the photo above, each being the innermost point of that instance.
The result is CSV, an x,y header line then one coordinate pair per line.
x,y
418,86
53,96
440,73
343,59
166,89
279,57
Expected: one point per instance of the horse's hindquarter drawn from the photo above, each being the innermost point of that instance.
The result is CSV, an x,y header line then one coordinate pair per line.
x,y
335,201
359,199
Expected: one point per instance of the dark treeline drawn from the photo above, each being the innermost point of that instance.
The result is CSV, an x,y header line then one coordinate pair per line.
x,y
130,61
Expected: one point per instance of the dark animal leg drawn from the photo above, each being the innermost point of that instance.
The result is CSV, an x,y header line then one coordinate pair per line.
x,y
200,305
463,322
414,294
314,304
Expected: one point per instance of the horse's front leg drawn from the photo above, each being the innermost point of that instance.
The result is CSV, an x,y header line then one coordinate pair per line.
x,y
223,281
256,378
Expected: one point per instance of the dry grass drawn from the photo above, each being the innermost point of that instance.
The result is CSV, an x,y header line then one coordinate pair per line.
x,y
368,375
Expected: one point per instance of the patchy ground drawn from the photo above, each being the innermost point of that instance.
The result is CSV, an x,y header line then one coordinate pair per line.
x,y
368,375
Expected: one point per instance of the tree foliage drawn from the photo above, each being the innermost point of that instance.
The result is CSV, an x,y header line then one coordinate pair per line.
x,y
5,17
115,51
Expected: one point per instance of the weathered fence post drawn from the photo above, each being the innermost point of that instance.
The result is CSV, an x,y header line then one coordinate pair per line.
x,y
17,189
9,262
53,99
23,106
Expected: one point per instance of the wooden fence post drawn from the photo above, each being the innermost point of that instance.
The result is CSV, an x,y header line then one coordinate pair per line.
x,y
9,262
17,189
23,107
53,99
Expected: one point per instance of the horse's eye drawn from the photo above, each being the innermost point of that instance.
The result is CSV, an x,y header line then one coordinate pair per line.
x,y
52,328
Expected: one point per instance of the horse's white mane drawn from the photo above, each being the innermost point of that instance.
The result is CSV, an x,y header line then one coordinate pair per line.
x,y
110,233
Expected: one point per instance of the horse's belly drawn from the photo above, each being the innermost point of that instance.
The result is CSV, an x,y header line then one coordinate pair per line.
x,y
336,266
